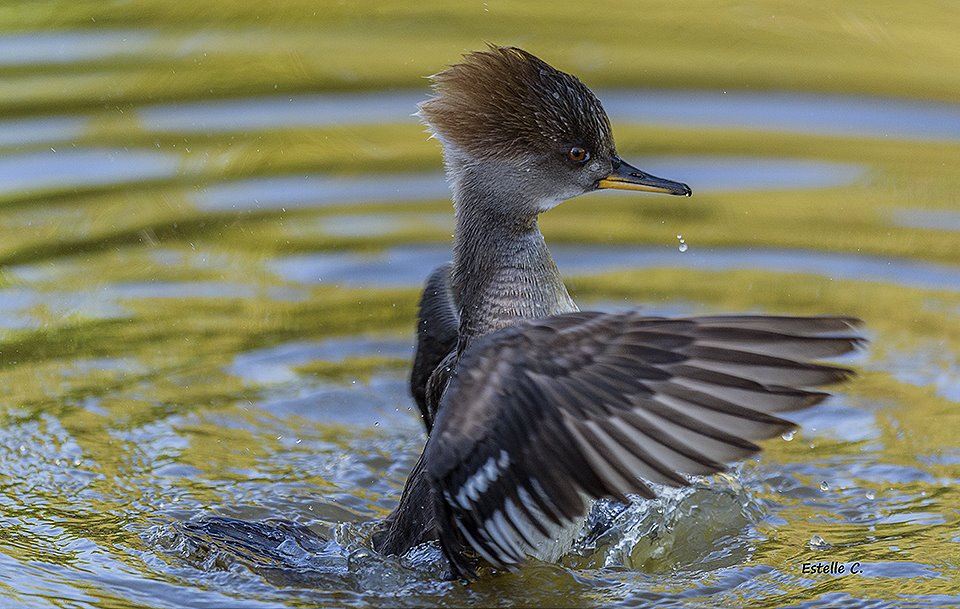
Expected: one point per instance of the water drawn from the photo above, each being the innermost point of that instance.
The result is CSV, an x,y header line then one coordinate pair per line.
x,y
212,233
53,170
933,219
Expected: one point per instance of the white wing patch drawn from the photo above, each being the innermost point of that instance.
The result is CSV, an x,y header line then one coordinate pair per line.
x,y
478,483
516,529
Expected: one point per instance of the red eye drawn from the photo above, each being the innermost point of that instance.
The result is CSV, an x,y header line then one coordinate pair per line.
x,y
578,154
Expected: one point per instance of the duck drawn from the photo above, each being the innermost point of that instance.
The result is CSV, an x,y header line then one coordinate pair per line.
x,y
534,409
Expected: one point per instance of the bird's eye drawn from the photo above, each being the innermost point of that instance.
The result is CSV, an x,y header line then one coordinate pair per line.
x,y
578,154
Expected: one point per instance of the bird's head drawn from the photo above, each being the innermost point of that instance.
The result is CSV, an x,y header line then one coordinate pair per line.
x,y
526,133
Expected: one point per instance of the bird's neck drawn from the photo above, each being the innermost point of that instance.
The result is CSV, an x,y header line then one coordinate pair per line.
x,y
502,270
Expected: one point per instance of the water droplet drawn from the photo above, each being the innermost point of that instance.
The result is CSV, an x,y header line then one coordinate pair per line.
x,y
870,495
788,435
818,543
680,237
376,424
824,486
682,247
77,462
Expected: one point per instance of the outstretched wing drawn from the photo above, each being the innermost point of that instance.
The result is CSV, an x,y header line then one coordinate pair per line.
x,y
437,331
538,415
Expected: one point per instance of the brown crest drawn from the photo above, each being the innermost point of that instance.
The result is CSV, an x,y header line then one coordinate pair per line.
x,y
505,102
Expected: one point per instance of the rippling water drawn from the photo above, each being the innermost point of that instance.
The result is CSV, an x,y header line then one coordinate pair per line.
x,y
207,286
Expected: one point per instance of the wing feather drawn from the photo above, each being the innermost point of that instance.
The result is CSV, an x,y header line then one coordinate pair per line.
x,y
438,325
541,415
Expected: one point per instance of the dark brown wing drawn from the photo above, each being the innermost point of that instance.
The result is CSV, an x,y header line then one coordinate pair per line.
x,y
437,330
538,415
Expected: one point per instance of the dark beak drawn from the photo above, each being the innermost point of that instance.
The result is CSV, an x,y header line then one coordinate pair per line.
x,y
627,177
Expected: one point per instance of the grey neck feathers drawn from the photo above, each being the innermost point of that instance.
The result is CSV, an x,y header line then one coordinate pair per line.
x,y
502,270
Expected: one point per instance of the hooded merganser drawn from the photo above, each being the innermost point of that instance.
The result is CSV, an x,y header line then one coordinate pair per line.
x,y
533,408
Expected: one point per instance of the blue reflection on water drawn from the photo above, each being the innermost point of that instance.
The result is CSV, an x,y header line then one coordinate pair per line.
x,y
409,266
70,168
935,219
772,111
31,48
